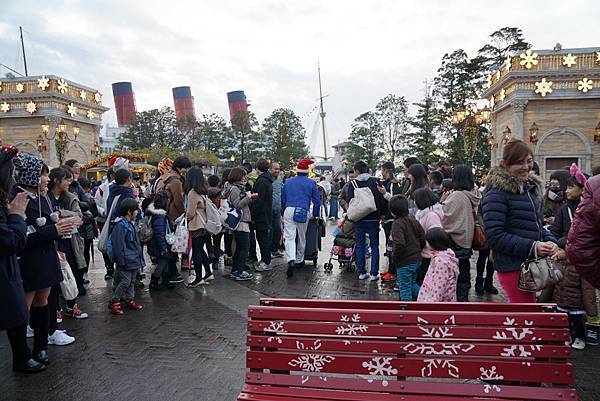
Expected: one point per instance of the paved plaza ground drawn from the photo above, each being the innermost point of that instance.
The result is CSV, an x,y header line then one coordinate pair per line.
x,y
188,344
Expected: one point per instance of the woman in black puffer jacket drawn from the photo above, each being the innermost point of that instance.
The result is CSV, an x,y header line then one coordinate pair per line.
x,y
513,218
158,249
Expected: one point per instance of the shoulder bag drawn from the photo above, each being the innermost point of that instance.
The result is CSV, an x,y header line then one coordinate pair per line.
x,y
362,204
538,273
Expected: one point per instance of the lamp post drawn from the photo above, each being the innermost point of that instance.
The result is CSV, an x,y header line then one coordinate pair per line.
x,y
61,139
472,119
507,134
597,134
533,133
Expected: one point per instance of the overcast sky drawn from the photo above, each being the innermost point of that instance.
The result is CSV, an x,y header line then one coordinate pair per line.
x,y
270,49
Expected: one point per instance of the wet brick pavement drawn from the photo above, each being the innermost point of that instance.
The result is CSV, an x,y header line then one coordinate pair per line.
x,y
188,344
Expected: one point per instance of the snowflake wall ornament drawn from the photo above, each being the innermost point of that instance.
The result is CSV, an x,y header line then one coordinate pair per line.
x,y
585,85
20,87
508,64
598,57
380,366
529,59
489,80
43,83
83,95
0,86
31,107
98,97
72,110
543,87
492,102
5,107
569,60
502,95
63,86
90,114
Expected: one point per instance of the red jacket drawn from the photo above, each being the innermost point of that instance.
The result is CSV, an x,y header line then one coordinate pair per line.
x,y
583,244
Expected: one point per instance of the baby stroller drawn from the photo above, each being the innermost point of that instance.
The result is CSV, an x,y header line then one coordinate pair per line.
x,y
343,247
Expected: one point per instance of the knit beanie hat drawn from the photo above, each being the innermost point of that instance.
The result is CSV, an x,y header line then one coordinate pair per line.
x,y
165,165
118,163
303,165
28,169
7,153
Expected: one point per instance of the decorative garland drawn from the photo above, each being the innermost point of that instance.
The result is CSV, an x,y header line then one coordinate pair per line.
x,y
131,156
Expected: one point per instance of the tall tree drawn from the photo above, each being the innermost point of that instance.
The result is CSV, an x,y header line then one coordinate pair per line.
x,y
154,128
426,121
502,43
392,117
247,138
366,140
212,134
284,137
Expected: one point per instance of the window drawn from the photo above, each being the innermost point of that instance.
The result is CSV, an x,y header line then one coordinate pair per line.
x,y
557,163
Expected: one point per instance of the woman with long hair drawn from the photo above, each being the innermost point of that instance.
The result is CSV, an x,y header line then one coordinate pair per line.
x,y
39,263
512,217
418,178
459,222
195,191
13,236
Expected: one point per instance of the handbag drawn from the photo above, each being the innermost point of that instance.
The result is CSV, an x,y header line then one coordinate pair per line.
x,y
478,234
169,235
538,273
362,204
182,236
103,238
68,286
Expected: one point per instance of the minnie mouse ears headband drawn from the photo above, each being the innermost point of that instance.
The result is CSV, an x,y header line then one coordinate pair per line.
x,y
8,153
578,174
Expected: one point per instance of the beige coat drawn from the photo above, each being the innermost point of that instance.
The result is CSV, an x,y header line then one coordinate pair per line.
x,y
458,221
196,211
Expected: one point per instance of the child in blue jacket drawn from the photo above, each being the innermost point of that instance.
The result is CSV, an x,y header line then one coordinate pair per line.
x,y
126,252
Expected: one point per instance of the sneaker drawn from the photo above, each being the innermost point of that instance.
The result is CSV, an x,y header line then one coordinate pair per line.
x,y
108,276
363,276
176,279
244,276
396,288
263,267
234,275
490,289
591,336
29,332
116,308
209,278
60,338
131,304
578,344
196,282
387,276
76,313
373,277
59,316
277,254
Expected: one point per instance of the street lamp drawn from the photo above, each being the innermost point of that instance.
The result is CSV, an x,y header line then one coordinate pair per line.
x,y
41,147
597,134
60,137
507,132
533,133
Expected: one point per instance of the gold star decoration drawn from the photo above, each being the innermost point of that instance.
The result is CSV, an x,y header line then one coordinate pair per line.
x,y
543,87
502,94
0,86
83,95
598,57
585,85
528,59
20,87
5,107
43,83
90,114
497,75
62,86
492,102
98,97
569,60
31,107
72,110
508,64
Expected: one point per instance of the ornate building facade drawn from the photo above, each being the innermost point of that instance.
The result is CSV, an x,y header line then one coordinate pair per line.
x,y
551,100
51,117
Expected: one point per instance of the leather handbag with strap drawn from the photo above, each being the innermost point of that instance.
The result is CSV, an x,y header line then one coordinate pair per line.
x,y
478,234
538,273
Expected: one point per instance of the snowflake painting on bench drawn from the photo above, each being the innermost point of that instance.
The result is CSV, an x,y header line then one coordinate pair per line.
x,y
351,329
433,364
278,328
490,375
380,366
311,362
436,332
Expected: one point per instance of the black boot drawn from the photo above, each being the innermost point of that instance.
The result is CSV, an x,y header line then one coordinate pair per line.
x,y
154,283
29,366
165,281
489,287
479,286
290,269
41,357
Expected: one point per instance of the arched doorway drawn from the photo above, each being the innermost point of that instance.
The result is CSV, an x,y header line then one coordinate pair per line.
x,y
560,147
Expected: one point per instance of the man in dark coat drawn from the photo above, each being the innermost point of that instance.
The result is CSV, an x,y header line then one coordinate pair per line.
x,y
262,213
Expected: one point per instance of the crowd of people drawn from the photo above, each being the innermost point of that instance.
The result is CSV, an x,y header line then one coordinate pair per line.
x,y
433,218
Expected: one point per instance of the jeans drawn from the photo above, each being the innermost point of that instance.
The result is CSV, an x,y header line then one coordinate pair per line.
x,y
407,282
213,245
123,285
276,231
333,208
200,257
242,246
361,230
263,237
387,230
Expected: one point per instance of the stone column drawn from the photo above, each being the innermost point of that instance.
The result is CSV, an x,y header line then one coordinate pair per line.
x,y
519,108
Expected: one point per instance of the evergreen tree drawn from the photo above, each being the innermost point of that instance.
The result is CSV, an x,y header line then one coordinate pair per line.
x,y
284,137
427,121
154,128
392,118
248,141
366,139
503,42
212,134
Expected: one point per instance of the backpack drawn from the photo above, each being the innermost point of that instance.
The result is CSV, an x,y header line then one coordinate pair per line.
x,y
145,231
362,204
213,218
230,218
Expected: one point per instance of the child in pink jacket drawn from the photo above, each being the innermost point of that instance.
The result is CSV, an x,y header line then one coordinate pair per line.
x,y
440,281
429,215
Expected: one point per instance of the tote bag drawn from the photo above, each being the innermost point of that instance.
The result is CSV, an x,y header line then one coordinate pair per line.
x,y
182,236
103,238
68,286
362,204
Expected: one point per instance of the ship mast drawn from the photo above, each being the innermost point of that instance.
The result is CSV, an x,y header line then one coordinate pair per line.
x,y
323,114
23,49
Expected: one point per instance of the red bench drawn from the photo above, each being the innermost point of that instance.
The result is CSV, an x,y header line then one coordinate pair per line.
x,y
308,350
